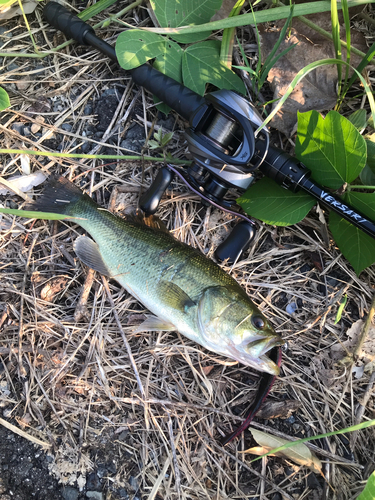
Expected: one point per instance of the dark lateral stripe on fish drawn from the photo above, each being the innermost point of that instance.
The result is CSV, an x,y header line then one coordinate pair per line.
x,y
265,386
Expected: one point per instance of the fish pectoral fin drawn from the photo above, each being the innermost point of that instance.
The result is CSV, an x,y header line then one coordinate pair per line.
x,y
175,296
154,324
88,252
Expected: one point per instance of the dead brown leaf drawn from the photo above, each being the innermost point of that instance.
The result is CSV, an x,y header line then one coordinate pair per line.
x,y
299,453
279,409
7,12
53,287
318,89
367,354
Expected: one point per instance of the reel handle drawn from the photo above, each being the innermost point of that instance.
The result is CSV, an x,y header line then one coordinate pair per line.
x,y
236,243
150,199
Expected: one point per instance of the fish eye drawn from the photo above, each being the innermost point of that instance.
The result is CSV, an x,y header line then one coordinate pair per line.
x,y
258,322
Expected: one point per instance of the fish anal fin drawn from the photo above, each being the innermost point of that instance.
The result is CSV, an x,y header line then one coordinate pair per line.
x,y
154,324
88,252
175,296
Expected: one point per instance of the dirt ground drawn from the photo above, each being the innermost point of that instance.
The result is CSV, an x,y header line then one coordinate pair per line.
x,y
65,375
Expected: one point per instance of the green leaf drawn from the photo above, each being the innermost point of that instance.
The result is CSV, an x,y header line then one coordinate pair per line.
x,y
201,65
185,12
370,142
354,244
136,47
274,205
341,308
369,492
4,99
367,176
332,148
169,62
358,119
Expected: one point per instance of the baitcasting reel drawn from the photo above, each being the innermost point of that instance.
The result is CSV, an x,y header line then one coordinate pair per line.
x,y
221,139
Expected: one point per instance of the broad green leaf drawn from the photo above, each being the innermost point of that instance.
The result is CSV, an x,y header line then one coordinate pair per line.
x,y
169,62
175,14
370,141
358,119
274,205
367,176
4,99
332,148
201,65
136,47
369,492
355,245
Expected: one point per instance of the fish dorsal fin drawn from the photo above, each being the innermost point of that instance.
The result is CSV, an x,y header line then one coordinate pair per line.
x,y
152,221
154,324
175,296
88,252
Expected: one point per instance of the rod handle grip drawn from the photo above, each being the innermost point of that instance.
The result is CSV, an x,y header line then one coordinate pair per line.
x,y
63,20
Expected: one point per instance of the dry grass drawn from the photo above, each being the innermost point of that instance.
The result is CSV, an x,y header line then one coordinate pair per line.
x,y
67,373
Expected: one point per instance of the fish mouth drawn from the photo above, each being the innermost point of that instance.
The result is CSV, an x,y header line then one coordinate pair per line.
x,y
254,354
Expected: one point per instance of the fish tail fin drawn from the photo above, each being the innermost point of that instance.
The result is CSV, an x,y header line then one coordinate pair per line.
x,y
62,197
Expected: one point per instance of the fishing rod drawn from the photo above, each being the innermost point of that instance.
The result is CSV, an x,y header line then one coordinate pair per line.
x,y
221,139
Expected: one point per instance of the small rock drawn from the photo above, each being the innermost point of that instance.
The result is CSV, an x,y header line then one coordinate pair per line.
x,y
291,308
87,110
96,495
85,147
18,127
23,83
93,482
101,471
35,127
70,493
123,494
4,31
26,131
123,435
67,127
111,466
13,67
133,483
109,92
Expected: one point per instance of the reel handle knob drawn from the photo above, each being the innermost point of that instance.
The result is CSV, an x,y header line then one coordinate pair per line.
x,y
150,199
236,243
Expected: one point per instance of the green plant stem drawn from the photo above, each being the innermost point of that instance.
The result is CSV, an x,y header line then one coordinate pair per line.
x,y
351,187
175,161
41,55
27,26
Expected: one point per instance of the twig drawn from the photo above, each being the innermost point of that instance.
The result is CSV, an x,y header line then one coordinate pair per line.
x,y
81,309
130,354
365,330
361,409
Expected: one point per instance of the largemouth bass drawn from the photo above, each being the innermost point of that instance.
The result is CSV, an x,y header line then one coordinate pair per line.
x,y
185,290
